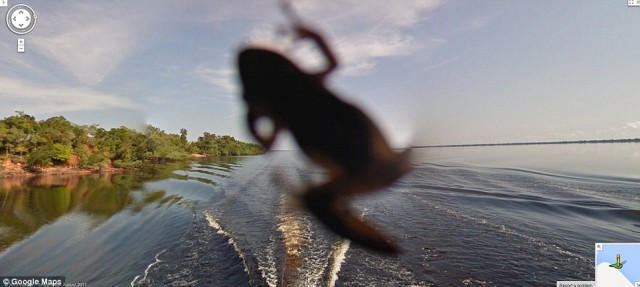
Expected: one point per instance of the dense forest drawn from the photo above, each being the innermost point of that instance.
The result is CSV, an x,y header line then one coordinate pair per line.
x,y
58,142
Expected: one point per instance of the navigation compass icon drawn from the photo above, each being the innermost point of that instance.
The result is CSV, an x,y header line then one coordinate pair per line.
x,y
21,19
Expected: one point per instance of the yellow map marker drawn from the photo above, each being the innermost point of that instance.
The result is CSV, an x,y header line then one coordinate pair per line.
x,y
618,264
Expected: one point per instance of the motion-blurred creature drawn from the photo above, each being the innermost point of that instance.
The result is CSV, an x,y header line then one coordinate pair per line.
x,y
334,134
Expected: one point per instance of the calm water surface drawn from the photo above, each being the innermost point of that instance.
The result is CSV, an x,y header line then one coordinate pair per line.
x,y
474,216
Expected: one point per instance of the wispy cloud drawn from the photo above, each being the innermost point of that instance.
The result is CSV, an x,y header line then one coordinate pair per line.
x,y
361,53
88,53
214,12
628,130
89,41
633,125
577,134
40,99
477,23
440,64
224,78
361,33
387,13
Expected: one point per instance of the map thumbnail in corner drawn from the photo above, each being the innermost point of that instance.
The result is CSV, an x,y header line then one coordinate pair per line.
x,y
617,264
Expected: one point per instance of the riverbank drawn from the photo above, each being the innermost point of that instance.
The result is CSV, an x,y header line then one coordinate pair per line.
x,y
11,169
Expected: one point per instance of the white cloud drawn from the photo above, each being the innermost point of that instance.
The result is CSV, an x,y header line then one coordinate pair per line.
x,y
381,12
362,51
13,62
358,68
88,53
39,99
216,13
89,41
577,135
224,78
633,125
476,24
361,33
440,64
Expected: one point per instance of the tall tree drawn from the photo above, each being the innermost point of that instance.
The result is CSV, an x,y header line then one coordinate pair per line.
x,y
183,136
19,130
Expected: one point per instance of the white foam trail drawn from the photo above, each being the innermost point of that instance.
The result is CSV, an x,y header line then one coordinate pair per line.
x,y
338,254
146,271
218,227
268,268
306,258
295,231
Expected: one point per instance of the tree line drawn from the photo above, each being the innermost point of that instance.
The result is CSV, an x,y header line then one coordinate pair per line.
x,y
59,142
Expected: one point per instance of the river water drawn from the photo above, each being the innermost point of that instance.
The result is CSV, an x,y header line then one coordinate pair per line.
x,y
472,216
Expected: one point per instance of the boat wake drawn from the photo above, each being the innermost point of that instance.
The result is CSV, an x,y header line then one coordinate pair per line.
x,y
312,257
216,225
298,254
338,254
139,279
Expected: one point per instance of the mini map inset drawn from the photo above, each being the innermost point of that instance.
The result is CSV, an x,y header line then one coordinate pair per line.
x,y
21,19
617,264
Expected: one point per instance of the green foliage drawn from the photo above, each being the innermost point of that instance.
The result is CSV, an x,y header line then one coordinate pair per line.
x,y
57,130
40,156
162,146
56,140
90,160
16,133
120,163
60,153
49,154
183,137
210,144
123,146
3,133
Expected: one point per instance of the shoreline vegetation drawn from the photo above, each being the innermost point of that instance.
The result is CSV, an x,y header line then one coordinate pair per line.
x,y
58,146
636,140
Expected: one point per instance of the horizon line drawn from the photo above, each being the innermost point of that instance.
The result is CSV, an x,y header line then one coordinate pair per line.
x,y
626,140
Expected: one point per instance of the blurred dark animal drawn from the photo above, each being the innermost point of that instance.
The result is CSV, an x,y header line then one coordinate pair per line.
x,y
334,134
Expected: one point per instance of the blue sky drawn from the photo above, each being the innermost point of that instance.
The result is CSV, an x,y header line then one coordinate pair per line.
x,y
428,71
